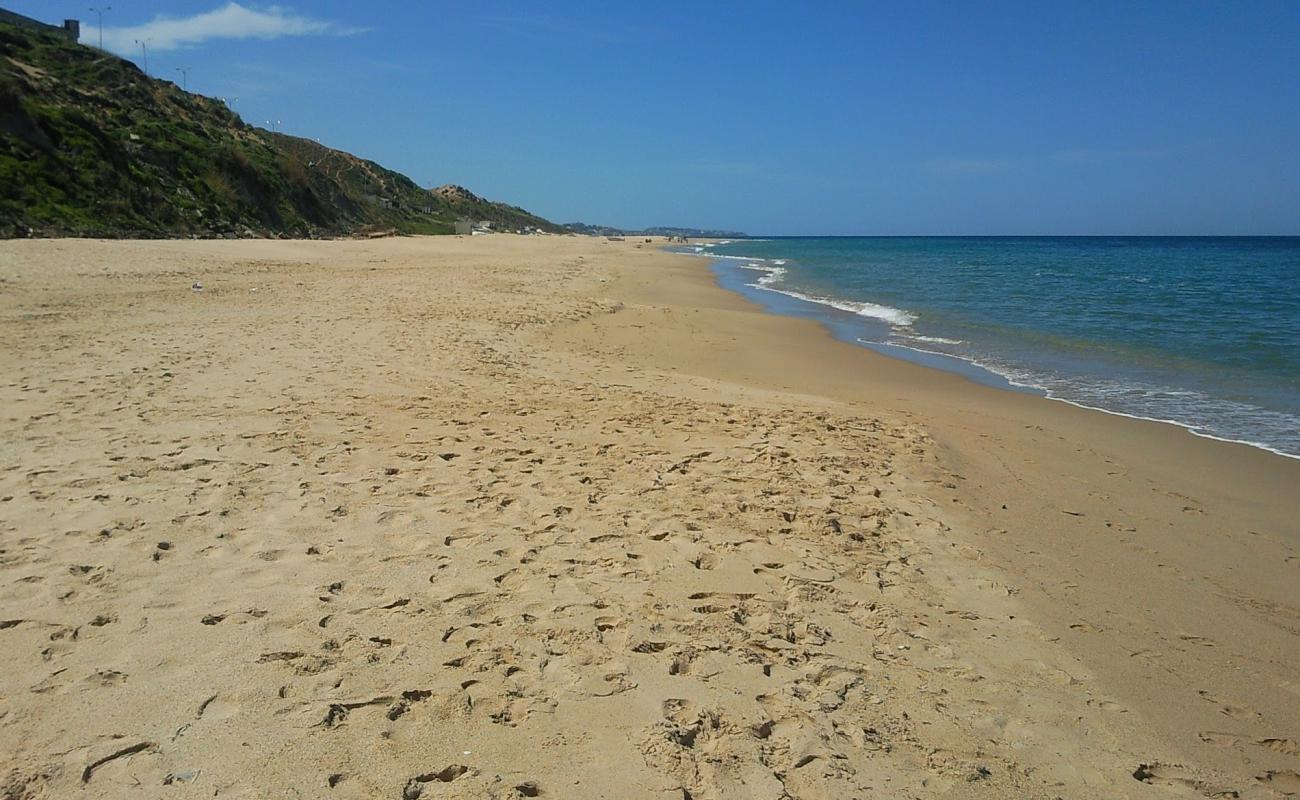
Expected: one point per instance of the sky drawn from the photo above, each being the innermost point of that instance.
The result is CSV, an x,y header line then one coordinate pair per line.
x,y
776,118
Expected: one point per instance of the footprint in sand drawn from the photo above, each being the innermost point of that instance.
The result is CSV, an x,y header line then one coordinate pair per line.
x,y
107,677
705,561
1106,705
1276,744
1286,781
1229,709
414,788
1176,776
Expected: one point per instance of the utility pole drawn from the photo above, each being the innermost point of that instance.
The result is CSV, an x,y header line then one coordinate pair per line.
x,y
185,77
144,49
100,13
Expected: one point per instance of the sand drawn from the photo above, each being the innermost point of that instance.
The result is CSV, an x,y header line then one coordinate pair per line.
x,y
512,517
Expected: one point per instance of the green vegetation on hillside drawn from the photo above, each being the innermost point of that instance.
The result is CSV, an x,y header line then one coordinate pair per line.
x,y
91,146
689,233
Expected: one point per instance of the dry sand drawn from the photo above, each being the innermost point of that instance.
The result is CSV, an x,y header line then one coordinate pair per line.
x,y
509,517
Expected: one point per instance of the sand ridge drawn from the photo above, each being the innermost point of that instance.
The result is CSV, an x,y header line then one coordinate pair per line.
x,y
362,519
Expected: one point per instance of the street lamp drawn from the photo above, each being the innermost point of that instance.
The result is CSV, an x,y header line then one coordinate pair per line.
x,y
144,49
99,11
185,77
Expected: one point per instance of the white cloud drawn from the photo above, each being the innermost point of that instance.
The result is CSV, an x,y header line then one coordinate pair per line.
x,y
231,21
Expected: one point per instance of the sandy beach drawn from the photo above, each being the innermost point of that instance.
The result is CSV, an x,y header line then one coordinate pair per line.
x,y
500,517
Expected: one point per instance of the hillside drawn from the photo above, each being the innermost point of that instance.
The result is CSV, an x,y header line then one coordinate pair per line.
x,y
465,204
689,233
91,146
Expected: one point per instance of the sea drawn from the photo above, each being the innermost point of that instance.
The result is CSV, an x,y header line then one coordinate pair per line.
x,y
1201,332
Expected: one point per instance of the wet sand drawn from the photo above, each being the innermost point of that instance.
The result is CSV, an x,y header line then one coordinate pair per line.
x,y
509,517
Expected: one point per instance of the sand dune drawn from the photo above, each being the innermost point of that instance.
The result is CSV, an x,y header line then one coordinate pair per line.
x,y
436,518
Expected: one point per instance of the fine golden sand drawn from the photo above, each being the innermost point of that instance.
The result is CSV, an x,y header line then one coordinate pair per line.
x,y
502,517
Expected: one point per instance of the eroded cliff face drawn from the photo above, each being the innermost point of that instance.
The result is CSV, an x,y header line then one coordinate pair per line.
x,y
91,146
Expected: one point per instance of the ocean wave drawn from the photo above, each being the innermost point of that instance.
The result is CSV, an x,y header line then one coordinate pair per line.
x,y
1198,413
771,274
721,257
1206,416
774,273
1014,340
894,316
916,337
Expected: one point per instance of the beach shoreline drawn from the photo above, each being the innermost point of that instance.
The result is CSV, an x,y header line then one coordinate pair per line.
x,y
1064,474
371,518
889,331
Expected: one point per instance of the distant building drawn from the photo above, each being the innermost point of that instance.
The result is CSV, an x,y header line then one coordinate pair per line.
x,y
464,227
71,29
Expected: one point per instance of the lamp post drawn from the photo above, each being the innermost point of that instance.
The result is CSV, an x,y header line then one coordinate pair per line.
x,y
99,12
185,77
144,50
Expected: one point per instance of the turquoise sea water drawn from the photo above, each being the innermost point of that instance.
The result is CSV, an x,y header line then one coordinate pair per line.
x,y
1203,332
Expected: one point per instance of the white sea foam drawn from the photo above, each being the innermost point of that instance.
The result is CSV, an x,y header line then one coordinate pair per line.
x,y
771,274
1094,395
1198,413
916,337
774,273
894,316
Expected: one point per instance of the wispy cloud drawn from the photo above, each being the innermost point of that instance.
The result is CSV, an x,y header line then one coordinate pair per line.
x,y
231,21
978,165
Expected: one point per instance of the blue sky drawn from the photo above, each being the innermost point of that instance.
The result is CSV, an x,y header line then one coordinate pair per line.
x,y
778,118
